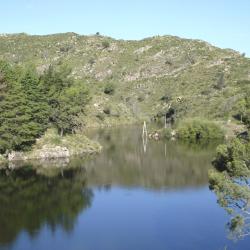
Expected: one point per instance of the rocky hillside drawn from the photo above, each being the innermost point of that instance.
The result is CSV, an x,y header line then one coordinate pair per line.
x,y
132,80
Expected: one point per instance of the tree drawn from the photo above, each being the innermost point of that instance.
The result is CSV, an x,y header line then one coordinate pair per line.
x,y
23,111
242,109
16,127
65,98
71,103
54,81
230,181
36,101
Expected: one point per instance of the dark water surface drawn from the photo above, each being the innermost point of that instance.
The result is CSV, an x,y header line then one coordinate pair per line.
x,y
130,197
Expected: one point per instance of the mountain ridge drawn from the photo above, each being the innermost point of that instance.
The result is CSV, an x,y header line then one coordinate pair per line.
x,y
117,39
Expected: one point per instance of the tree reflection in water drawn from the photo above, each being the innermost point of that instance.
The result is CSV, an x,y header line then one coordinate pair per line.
x,y
30,201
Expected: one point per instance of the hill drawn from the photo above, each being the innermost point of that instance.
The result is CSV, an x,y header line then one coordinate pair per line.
x,y
134,80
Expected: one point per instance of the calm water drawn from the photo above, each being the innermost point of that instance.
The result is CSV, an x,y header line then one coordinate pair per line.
x,y
132,196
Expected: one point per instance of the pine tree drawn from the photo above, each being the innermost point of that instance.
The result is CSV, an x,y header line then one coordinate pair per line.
x,y
16,131
24,113
36,101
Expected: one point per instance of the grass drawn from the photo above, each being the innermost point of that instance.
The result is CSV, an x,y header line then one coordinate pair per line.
x,y
76,144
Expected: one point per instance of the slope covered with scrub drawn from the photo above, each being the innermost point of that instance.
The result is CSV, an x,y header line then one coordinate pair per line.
x,y
131,80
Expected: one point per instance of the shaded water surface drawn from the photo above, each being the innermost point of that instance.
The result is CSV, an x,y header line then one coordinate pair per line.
x,y
132,196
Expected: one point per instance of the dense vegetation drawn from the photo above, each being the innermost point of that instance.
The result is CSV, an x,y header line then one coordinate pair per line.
x,y
242,108
197,129
230,181
140,79
30,103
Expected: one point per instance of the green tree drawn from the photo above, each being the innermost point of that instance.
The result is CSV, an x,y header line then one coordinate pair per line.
x,y
71,103
230,181
16,126
54,81
36,101
23,111
66,98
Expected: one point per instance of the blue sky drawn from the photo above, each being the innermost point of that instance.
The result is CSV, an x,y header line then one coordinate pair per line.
x,y
225,23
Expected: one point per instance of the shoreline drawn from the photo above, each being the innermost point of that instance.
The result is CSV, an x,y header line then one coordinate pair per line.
x,y
52,147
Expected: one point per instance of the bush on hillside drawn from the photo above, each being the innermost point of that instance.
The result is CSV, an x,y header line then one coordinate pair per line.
x,y
242,109
100,116
105,44
107,111
220,81
196,129
109,89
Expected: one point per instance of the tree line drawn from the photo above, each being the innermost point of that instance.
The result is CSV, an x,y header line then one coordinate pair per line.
x,y
30,103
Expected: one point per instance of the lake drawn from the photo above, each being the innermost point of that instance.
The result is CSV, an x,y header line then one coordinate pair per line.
x,y
135,195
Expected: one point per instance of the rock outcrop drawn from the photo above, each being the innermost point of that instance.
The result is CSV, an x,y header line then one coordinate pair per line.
x,y
46,152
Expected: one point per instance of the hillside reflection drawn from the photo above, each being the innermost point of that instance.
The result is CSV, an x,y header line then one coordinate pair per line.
x,y
164,165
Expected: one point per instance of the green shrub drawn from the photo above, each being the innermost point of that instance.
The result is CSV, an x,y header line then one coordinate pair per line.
x,y
196,129
105,44
169,62
166,133
107,111
220,81
166,98
242,109
100,116
109,89
233,158
141,98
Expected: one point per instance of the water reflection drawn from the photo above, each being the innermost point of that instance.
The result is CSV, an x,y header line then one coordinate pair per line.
x,y
30,200
165,165
56,193
144,137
